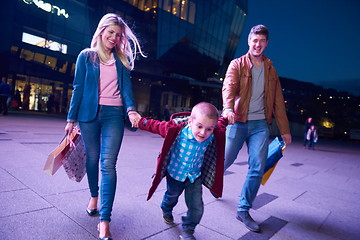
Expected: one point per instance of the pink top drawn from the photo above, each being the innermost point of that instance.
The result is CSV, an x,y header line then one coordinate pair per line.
x,y
109,93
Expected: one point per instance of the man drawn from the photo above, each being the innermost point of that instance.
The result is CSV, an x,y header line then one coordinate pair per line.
x,y
251,96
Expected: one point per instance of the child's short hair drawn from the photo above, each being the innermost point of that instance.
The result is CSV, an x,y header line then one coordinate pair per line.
x,y
206,109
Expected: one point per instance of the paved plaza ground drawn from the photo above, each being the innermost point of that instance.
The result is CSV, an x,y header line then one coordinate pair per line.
x,y
312,194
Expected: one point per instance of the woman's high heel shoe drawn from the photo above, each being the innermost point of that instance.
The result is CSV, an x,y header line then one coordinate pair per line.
x,y
91,212
103,238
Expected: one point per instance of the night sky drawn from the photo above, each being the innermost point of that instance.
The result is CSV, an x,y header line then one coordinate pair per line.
x,y
314,41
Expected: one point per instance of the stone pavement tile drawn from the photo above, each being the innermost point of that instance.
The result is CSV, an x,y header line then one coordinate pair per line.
x,y
286,188
45,148
343,226
262,199
268,228
220,216
136,218
331,202
172,232
201,233
132,217
42,224
9,182
73,205
135,181
336,181
292,188
293,231
19,156
301,214
297,169
354,185
21,201
349,169
44,184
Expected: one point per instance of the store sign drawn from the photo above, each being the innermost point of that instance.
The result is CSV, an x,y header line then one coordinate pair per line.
x,y
47,7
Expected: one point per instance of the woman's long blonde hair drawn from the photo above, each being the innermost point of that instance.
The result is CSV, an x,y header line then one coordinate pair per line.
x,y
128,46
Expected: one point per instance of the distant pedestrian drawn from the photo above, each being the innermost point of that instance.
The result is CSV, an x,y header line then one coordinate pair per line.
x,y
308,124
252,96
5,94
192,155
312,137
17,98
102,98
26,96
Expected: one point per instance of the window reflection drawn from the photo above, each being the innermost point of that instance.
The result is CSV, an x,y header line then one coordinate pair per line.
x,y
183,9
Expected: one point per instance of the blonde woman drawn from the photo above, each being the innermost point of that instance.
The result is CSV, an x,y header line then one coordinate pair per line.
x,y
102,98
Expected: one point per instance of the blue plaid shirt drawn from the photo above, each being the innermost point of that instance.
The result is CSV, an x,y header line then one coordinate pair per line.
x,y
187,155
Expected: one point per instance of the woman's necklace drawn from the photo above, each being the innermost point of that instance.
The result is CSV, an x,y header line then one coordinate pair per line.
x,y
111,61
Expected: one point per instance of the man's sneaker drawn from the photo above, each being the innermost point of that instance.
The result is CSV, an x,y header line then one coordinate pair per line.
x,y
168,219
249,223
188,235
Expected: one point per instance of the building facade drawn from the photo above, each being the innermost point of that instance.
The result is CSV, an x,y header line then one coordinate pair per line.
x,y
189,44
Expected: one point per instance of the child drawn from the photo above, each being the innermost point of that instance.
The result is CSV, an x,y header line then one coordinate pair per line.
x,y
192,155
312,137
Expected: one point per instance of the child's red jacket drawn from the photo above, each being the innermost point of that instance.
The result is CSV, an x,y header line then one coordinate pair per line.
x,y
212,170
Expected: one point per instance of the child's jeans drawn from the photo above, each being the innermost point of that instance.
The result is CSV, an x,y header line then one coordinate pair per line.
x,y
193,199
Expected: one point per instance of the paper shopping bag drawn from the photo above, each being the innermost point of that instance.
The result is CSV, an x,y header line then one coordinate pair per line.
x,y
74,161
275,152
54,159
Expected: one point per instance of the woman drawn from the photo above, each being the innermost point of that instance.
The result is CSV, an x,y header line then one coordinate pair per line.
x,y
102,97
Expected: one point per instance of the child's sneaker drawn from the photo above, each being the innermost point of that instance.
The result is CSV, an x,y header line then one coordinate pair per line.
x,y
187,235
168,219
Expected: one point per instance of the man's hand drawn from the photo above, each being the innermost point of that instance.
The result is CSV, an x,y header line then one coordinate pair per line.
x,y
230,115
286,138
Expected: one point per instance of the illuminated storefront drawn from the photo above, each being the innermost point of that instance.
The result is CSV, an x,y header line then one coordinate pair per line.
x,y
189,43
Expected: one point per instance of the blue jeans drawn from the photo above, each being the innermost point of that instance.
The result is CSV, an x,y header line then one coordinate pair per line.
x,y
193,199
256,135
102,140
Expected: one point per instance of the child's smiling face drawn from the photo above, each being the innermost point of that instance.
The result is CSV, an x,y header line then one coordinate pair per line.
x,y
202,127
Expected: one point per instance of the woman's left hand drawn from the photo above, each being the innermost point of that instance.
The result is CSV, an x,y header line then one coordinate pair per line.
x,y
134,118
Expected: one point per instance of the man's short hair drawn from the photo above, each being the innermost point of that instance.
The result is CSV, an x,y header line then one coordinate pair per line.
x,y
259,29
206,109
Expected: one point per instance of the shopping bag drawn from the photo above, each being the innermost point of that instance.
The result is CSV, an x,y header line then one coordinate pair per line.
x,y
275,152
74,160
54,159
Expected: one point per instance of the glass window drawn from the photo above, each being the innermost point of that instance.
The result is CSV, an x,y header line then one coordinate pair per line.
x,y
174,101
183,101
27,55
14,49
176,8
62,68
44,43
39,57
166,5
50,61
165,99
184,10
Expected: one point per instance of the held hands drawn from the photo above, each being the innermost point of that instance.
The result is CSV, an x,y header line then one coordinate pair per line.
x,y
230,115
134,118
